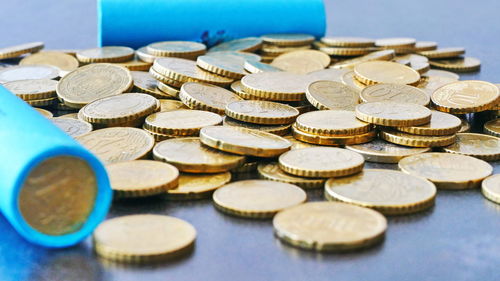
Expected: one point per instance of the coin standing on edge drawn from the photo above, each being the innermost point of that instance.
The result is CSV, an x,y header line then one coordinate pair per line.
x,y
490,188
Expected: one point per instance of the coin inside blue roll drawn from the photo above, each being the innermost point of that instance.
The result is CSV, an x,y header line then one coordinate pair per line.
x,y
136,23
53,191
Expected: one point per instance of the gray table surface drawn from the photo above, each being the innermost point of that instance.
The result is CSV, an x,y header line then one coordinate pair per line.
x,y
458,239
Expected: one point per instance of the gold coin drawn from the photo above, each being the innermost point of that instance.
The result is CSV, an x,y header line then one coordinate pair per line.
x,y
44,112
395,43
429,84
206,97
244,141
184,70
247,168
197,186
237,89
279,130
416,140
492,127
420,67
481,146
466,64
257,198
330,74
165,80
421,46
44,199
105,54
171,105
269,52
119,109
490,188
332,95
228,66
143,54
169,90
447,170
389,192
297,144
158,137
441,124
349,80
135,65
32,89
393,113
278,86
248,44
374,72
144,82
181,49
118,144
181,122
143,238
466,97
272,171
321,162
239,56
302,62
18,50
383,55
344,52
444,53
25,72
359,42
291,39
332,123
42,102
330,226
442,73
140,178
71,126
380,151
69,115
334,140
261,112
60,60
395,93
91,82
189,155
257,67
411,58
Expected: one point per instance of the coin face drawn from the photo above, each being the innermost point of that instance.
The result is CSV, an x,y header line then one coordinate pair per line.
x,y
395,93
275,85
393,113
492,127
490,188
412,140
118,144
229,66
143,238
171,105
91,82
139,178
176,49
60,60
15,51
302,62
321,162
381,151
288,39
272,171
257,67
43,200
466,97
441,124
447,170
481,146
257,198
206,97
332,95
197,186
105,54
244,141
181,122
189,155
389,192
332,122
24,72
71,126
32,89
374,72
329,226
261,112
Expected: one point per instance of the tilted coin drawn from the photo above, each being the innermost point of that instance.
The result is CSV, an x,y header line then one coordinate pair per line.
x,y
105,54
60,60
272,171
332,140
332,95
280,129
206,97
395,43
421,67
424,46
247,168
261,112
302,62
330,74
349,80
158,137
395,93
144,82
280,86
348,41
181,122
228,66
290,39
69,115
91,82
380,151
257,67
441,124
441,73
197,186
171,105
490,188
169,90
429,84
481,146
18,50
140,178
492,127
332,123
416,140
118,144
32,89
244,141
143,238
389,192
135,64
185,49
143,54
466,97
444,53
393,113
330,226
189,155
257,198
44,112
237,89
24,72
321,162
384,55
374,72
248,44
71,126
165,80
447,170
466,64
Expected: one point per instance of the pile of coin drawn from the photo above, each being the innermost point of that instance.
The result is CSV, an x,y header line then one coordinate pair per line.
x,y
253,122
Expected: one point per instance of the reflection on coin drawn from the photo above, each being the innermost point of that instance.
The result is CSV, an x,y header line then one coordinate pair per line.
x,y
24,72
393,113
257,198
412,140
60,60
481,146
261,112
257,67
71,126
380,151
466,97
395,93
184,49
441,124
330,226
181,122
446,170
289,39
279,130
332,123
272,171
332,95
373,72
491,188
197,186
492,127
280,86
105,54
16,51
206,97
32,89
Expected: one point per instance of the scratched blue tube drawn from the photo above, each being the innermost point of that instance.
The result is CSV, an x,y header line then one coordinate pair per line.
x,y
28,141
136,23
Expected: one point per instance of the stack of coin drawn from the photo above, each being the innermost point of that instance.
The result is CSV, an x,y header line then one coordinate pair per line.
x,y
277,44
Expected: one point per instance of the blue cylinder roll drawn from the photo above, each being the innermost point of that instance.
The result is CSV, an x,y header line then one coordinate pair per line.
x,y
27,139
136,23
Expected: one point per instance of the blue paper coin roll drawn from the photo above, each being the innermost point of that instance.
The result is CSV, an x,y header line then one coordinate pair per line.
x,y
52,190
136,23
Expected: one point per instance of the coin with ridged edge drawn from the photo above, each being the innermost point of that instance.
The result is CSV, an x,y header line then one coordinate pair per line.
x,y
481,146
441,124
32,89
207,97
490,188
332,123
135,64
277,86
18,50
332,140
106,54
376,72
181,122
492,127
466,64
393,113
425,46
261,112
71,126
288,39
349,80
358,42
384,55
197,186
380,151
184,49
412,140
171,105
279,130
144,82
24,72
395,43
228,66
257,67
443,53
248,44
272,171
332,95
394,93
466,97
